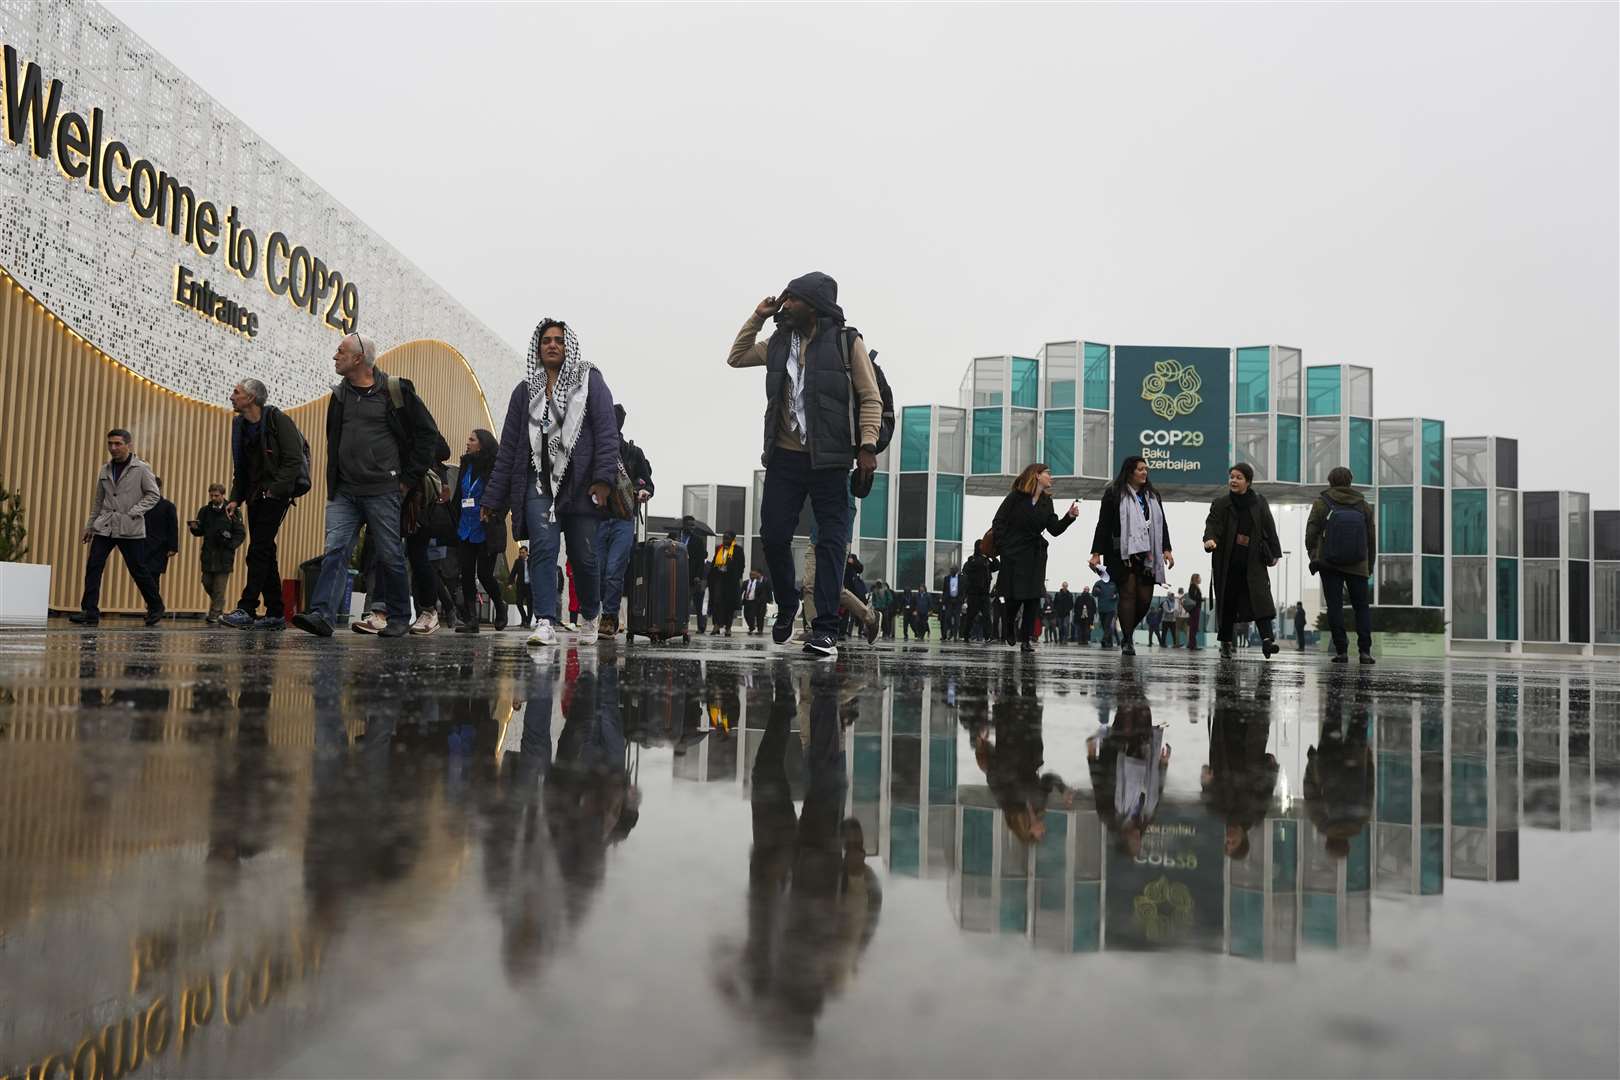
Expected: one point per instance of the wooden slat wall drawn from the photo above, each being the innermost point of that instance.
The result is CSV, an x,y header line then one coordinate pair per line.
x,y
59,395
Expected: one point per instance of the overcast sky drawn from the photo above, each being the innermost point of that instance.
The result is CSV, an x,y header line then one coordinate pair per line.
x,y
1427,190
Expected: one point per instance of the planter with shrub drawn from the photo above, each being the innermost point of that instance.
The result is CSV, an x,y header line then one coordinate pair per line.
x,y
25,588
1398,631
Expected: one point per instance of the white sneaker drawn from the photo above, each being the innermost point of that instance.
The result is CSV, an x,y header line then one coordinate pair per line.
x,y
373,623
543,634
426,622
587,632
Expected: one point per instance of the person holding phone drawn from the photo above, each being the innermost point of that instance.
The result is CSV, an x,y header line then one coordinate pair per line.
x,y
1024,515
558,458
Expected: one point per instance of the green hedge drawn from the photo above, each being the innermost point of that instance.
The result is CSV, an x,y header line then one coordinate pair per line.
x,y
1396,620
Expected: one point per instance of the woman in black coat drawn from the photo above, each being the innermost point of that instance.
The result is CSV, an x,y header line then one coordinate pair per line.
x,y
1134,572
1195,613
1242,535
1024,514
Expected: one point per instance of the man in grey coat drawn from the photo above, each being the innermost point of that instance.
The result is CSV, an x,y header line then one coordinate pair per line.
x,y
125,491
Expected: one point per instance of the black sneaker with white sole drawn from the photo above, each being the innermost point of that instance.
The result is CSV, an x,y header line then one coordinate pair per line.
x,y
782,630
822,647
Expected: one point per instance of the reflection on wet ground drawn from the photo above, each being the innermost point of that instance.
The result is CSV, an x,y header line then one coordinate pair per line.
x,y
225,854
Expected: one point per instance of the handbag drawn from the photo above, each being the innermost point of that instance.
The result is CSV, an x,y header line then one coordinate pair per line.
x,y
987,546
621,502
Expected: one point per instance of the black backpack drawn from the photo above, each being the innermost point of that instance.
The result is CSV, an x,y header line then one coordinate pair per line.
x,y
886,425
301,482
1344,536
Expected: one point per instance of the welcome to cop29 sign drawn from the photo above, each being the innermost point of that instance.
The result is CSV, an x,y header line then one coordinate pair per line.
x,y
1171,406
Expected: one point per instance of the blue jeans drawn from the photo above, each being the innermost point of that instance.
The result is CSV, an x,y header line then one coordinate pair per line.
x,y
345,514
545,542
615,539
789,480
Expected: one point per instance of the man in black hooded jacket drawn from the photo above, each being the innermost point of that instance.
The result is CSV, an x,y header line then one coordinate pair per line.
x,y
822,415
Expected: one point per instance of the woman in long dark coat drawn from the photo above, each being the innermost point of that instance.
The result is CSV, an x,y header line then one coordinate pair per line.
x,y
1023,516
1133,541
1242,535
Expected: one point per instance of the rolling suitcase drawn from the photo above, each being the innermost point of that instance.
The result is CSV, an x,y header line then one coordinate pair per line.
x,y
660,597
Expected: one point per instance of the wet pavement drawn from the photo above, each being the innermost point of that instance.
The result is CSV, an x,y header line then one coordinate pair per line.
x,y
236,854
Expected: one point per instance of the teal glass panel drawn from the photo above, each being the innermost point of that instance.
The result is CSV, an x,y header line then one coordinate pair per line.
x,y
1050,851
1322,391
1284,854
868,768
911,564
1470,792
1507,599
948,492
1026,383
1434,453
1288,449
1358,865
1431,860
1248,923
875,509
1058,452
1394,787
1087,916
978,840
1097,376
987,441
1014,907
942,770
1434,582
903,855
1468,535
1254,379
1361,447
914,422
1319,923
1395,521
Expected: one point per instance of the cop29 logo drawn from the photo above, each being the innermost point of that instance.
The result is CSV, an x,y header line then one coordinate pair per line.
x,y
1171,389
1161,437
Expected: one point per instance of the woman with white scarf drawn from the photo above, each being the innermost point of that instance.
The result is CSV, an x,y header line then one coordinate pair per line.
x,y
1133,542
558,459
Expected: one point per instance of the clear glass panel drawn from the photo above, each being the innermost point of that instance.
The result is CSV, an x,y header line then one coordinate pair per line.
x,y
1395,452
875,554
1358,390
731,509
914,424
952,440
1469,532
1434,583
913,506
989,380
1094,444
1507,522
946,558
695,501
883,458
1288,449
1323,453
1022,448
1395,521
1606,535
1096,376
1507,463
1434,453
759,495
1580,523
875,510
1468,598
1541,602
1470,464
1251,443
1026,387
1507,599
1580,608
1062,374
1288,368
1322,391
1434,521
1606,613
1058,452
1254,379
911,564
986,441
948,507
1541,526
1361,447
1395,582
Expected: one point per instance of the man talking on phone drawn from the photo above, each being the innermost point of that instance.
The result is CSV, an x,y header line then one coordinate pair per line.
x,y
823,412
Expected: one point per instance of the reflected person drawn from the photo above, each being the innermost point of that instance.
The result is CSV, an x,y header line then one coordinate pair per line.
x,y
1128,760
1339,771
1241,776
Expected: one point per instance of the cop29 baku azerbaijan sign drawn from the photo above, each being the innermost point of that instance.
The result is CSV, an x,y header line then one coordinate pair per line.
x,y
83,152
1171,407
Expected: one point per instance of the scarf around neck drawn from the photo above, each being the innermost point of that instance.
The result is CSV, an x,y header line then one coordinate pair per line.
x,y
1130,504
556,421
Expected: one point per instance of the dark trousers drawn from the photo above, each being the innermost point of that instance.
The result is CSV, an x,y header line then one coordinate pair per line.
x,y
1022,614
1228,620
887,619
476,562
1334,585
978,605
133,549
950,618
521,588
754,614
264,517
789,481
1084,633
424,582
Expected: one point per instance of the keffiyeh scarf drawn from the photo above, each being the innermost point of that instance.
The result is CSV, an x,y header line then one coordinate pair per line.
x,y
555,421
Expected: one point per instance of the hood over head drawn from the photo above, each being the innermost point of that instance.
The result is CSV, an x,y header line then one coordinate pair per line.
x,y
1344,496
819,291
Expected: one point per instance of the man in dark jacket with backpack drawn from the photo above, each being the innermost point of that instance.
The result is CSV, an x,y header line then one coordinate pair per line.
x,y
1342,539
381,440
268,470
823,414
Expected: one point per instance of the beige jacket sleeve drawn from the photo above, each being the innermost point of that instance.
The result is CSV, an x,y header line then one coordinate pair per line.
x,y
868,399
747,350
